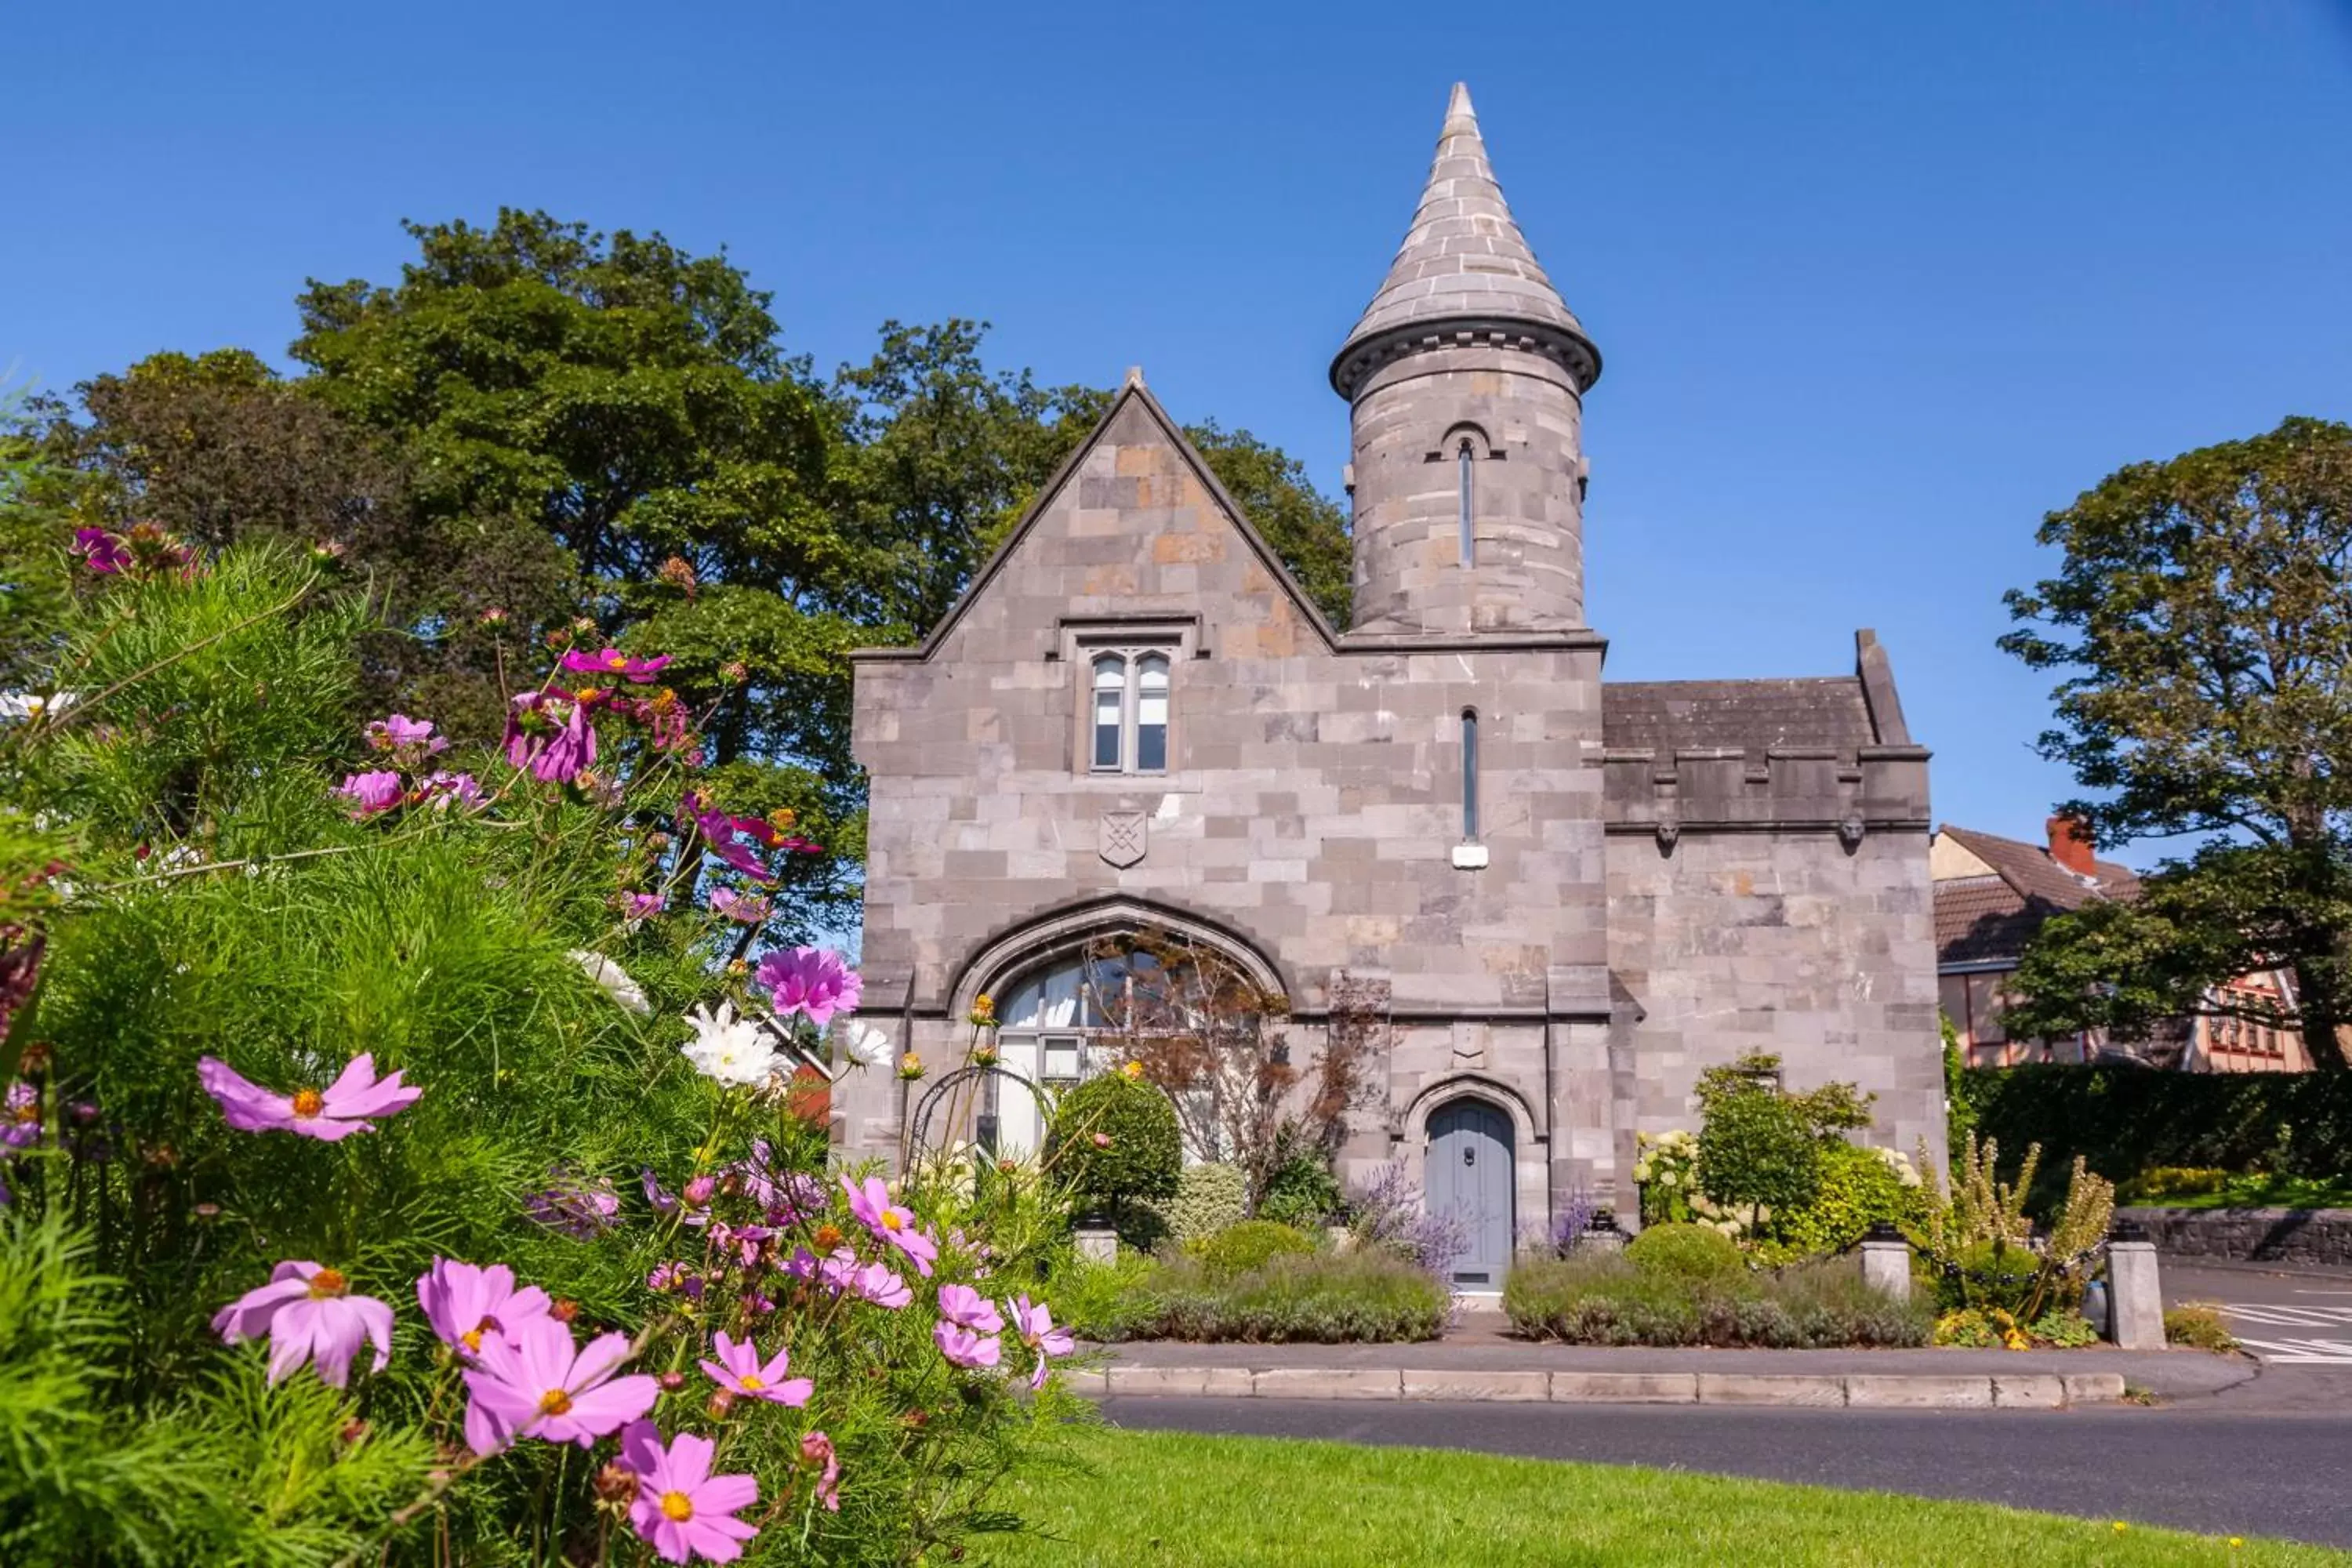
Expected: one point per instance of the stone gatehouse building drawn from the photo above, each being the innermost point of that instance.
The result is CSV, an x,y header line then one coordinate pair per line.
x,y
1577,892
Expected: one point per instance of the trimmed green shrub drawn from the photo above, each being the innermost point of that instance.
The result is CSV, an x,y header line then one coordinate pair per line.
x,y
1301,1192
1209,1198
1860,1187
1238,1248
2199,1327
2127,1119
1601,1301
1115,1142
2173,1182
1293,1297
1686,1252
1992,1276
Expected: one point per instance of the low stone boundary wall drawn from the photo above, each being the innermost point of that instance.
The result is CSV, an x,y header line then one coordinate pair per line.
x,y
1861,1391
2312,1237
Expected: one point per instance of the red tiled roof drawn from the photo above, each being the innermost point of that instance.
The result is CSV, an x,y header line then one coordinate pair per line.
x,y
1988,919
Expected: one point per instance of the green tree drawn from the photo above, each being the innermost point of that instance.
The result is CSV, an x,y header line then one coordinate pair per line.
x,y
2203,620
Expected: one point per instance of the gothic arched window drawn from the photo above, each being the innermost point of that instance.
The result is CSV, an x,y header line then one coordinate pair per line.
x,y
1463,456
1469,775
1127,712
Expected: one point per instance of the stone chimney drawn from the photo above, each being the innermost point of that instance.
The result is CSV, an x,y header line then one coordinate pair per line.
x,y
2070,844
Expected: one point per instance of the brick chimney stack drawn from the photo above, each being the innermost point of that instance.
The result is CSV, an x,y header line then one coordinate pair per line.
x,y
2070,844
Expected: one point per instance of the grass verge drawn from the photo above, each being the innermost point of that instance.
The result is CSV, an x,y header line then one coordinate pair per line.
x,y
1178,1500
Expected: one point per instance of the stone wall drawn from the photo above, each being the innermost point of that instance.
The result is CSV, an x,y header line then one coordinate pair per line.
x,y
1725,942
2314,1238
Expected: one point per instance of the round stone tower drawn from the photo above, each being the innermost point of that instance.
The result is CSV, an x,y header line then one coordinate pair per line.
x,y
1465,378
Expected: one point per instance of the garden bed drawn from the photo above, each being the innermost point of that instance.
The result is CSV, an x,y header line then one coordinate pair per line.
x,y
1611,1300
1311,1299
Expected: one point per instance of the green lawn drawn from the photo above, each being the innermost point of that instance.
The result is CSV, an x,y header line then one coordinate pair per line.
x,y
1234,1502
2267,1192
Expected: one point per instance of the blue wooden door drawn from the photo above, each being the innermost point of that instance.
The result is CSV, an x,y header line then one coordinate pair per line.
x,y
1470,1178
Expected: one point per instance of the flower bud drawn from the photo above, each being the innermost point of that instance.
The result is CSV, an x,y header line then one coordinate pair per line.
x,y
353,1430
721,1402
697,1191
564,1311
671,1381
615,1485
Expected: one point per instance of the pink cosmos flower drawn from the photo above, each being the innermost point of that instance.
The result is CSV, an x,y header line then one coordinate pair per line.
x,y
750,909
549,735
872,1206
637,906
543,1385
720,833
104,552
816,1453
968,1308
680,1507
330,1114
811,981
740,1371
613,664
467,1304
399,733
964,1348
1035,1326
371,793
877,1284
310,1314
581,1209
444,786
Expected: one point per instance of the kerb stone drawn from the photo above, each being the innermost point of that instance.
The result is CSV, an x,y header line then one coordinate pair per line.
x,y
1328,1382
1624,1388
2029,1393
1197,1382
1918,1392
1502,1386
2094,1387
1744,1388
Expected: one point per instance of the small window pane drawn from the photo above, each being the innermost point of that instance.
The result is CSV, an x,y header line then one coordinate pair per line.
x,y
1152,713
1061,1057
1110,698
1470,777
1463,460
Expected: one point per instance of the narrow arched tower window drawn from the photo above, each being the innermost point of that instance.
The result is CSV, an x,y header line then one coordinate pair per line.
x,y
1110,704
1469,775
1463,456
1152,713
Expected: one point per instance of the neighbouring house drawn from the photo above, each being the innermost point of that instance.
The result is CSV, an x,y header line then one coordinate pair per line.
x,y
1570,895
1992,894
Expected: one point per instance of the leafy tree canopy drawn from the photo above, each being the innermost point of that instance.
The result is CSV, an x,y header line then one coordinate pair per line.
x,y
2203,621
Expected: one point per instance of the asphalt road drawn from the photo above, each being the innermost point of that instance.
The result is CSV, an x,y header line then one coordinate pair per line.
x,y
2202,1467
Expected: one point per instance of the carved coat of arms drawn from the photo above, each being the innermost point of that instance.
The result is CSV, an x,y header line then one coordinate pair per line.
x,y
1121,837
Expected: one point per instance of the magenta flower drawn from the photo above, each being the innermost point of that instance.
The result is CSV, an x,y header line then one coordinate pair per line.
x,y
740,1371
722,833
444,786
465,1304
613,664
580,1209
636,907
964,1348
816,1453
20,1117
877,1284
549,735
1035,1326
750,909
968,1308
329,1114
371,793
871,1204
542,1385
310,1314
680,1507
811,981
398,732
104,552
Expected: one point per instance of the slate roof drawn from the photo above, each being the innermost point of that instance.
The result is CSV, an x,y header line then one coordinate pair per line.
x,y
1750,716
1463,259
1990,919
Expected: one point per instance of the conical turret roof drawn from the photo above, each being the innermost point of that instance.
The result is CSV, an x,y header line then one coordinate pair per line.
x,y
1464,262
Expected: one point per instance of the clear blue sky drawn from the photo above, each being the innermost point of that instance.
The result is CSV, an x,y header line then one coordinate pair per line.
x,y
1876,285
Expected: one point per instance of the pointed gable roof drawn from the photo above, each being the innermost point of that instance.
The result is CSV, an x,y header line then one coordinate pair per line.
x,y
1464,263
1139,396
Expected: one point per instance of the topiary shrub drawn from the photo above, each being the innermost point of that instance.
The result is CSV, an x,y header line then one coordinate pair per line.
x,y
1687,1252
1991,1274
1238,1248
1114,1142
1209,1198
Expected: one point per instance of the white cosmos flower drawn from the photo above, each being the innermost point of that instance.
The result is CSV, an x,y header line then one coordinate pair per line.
x,y
728,1049
32,705
612,980
866,1045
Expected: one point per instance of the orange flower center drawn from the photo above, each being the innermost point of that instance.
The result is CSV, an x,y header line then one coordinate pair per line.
x,y
328,1282
472,1338
26,1113
752,1382
891,1220
618,661
555,1402
827,1237
678,1506
309,1102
